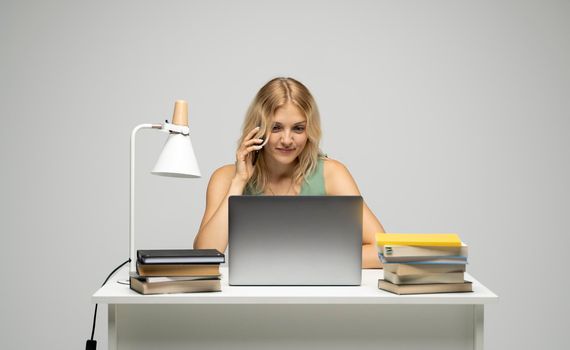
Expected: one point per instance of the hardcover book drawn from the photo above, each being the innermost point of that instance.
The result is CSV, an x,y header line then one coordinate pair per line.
x,y
410,269
431,261
402,289
167,287
178,269
450,277
419,239
155,279
394,252
411,259
180,256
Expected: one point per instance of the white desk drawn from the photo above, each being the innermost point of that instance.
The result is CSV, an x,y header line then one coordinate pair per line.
x,y
361,317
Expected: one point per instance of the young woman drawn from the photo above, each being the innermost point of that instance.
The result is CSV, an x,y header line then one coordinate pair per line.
x,y
278,154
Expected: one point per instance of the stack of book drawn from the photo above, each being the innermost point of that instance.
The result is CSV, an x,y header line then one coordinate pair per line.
x,y
422,263
177,271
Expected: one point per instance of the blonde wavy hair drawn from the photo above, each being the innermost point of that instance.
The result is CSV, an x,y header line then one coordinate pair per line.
x,y
273,95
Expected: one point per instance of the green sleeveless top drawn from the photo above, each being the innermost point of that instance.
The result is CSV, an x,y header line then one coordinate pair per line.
x,y
314,184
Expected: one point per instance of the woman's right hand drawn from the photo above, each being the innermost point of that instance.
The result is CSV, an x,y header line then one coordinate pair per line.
x,y
244,156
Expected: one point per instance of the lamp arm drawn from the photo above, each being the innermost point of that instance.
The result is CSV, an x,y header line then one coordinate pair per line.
x,y
132,264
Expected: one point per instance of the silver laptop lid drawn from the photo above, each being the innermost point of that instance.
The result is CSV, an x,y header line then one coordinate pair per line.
x,y
295,240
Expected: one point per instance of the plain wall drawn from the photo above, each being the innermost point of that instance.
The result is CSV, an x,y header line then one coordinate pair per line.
x,y
452,116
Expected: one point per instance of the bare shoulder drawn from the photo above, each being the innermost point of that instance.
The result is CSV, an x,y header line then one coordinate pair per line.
x,y
225,171
332,166
338,180
222,177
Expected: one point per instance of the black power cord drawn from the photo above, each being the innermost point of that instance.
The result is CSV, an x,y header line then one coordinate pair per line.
x,y
92,344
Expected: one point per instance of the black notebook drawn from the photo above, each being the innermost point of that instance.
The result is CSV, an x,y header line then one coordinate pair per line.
x,y
180,256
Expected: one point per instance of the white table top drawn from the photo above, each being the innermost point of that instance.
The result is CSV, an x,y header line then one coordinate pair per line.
x,y
367,293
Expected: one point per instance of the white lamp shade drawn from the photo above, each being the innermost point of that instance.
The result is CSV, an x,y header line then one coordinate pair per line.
x,y
177,158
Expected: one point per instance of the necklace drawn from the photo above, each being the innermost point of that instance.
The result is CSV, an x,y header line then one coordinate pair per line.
x,y
286,193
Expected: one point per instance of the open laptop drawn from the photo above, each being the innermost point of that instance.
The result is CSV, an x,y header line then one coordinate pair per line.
x,y
295,240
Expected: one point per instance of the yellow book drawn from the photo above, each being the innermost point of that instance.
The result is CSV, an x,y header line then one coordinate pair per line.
x,y
419,239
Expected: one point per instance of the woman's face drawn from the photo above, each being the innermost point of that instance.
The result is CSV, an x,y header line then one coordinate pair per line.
x,y
288,134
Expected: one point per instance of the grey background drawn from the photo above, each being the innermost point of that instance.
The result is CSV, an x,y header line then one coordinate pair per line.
x,y
453,116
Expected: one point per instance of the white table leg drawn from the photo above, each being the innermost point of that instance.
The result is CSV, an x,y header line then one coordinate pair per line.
x,y
112,333
478,327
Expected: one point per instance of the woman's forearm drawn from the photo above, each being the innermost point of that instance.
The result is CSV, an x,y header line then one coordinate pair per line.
x,y
370,258
214,234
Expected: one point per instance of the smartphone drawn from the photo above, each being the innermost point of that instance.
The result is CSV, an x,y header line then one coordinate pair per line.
x,y
256,153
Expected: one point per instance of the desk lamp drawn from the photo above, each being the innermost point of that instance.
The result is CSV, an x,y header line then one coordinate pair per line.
x,y
176,160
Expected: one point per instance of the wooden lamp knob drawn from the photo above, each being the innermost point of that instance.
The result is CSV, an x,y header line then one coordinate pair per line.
x,y
180,116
